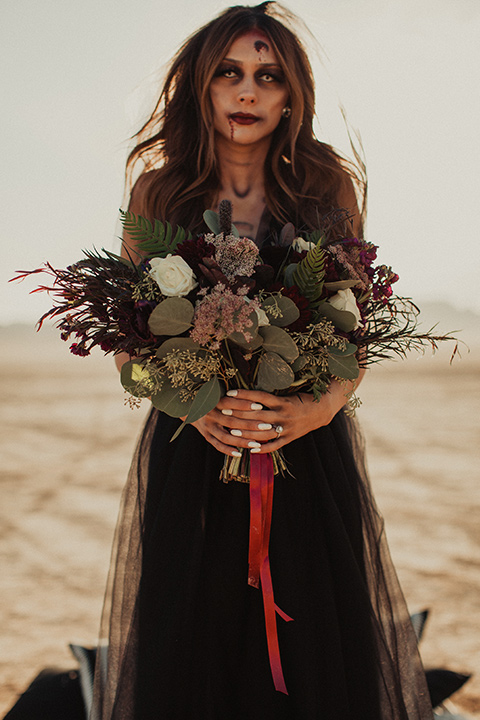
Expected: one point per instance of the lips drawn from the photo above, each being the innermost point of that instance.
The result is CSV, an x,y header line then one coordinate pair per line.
x,y
244,118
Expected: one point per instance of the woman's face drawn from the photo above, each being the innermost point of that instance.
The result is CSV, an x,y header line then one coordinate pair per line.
x,y
248,91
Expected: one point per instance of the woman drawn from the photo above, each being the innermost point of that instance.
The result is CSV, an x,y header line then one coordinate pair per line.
x,y
186,632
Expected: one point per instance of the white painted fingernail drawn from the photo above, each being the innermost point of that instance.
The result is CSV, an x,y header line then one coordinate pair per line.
x,y
232,393
227,412
255,450
236,453
237,433
256,406
254,444
264,426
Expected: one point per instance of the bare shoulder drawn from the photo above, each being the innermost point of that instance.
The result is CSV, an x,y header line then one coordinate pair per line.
x,y
140,191
138,205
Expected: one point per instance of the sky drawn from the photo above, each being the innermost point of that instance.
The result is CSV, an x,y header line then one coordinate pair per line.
x,y
77,78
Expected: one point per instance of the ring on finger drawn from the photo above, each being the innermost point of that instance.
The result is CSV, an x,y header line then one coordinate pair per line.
x,y
278,429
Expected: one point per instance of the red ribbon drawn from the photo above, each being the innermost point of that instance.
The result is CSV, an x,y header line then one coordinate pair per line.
x,y
261,504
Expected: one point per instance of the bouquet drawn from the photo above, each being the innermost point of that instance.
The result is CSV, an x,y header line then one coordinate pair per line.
x,y
201,315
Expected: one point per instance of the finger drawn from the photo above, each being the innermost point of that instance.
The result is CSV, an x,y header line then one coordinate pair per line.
x,y
239,405
250,425
245,420
233,451
215,439
245,438
272,445
257,396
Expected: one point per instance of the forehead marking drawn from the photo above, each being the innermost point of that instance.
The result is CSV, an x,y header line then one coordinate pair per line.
x,y
259,45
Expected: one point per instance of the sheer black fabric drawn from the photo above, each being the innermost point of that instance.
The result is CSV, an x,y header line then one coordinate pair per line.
x,y
186,632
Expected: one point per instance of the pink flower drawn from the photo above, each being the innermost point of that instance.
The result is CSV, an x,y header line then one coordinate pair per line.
x,y
235,256
220,313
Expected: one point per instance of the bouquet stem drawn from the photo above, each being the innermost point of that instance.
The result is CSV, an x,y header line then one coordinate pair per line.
x,y
238,469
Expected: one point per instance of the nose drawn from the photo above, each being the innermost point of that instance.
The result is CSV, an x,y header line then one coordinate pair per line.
x,y
246,92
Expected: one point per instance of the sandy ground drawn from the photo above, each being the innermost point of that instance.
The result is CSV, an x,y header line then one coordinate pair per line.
x,y
66,442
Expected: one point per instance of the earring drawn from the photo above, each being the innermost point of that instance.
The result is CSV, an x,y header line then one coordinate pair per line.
x,y
287,111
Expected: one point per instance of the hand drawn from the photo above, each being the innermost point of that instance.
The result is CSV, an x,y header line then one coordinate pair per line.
x,y
250,419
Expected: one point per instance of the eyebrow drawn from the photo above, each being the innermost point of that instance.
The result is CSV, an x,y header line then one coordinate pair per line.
x,y
240,62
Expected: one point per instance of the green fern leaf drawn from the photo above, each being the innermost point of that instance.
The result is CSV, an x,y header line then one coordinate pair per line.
x,y
310,273
159,230
153,240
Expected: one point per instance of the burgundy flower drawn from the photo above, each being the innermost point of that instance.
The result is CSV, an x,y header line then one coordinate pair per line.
x,y
79,349
383,281
108,344
302,304
194,251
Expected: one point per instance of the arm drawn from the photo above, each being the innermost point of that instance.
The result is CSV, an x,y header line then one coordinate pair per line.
x,y
136,206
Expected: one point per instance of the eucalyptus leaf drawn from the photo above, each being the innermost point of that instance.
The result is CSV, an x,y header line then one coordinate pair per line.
x,y
212,221
340,285
299,363
350,349
250,346
288,275
289,312
177,344
342,319
278,341
131,376
315,237
273,373
345,367
172,316
169,401
178,431
205,400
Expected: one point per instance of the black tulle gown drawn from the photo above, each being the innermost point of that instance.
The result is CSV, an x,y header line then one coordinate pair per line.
x,y
187,633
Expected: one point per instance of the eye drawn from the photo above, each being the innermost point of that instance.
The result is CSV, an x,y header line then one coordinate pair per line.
x,y
226,72
270,77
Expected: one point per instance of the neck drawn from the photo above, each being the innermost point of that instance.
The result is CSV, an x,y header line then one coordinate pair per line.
x,y
241,169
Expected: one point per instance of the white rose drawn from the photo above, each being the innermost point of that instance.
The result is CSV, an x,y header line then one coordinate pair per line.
x,y
262,317
345,300
173,275
299,244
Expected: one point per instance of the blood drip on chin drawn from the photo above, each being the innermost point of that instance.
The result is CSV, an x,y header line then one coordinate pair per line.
x,y
232,128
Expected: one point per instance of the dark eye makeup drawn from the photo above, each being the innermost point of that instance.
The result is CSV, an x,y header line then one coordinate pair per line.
x,y
230,70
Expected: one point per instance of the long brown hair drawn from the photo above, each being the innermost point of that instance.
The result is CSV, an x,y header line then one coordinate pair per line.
x,y
303,177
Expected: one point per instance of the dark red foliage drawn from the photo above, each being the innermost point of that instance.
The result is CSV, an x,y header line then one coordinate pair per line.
x,y
276,257
194,251
245,367
262,276
302,304
211,272
79,349
331,271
